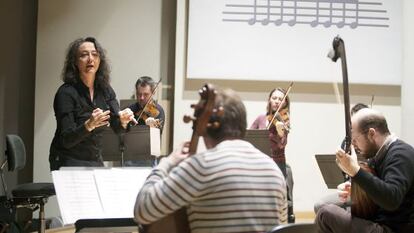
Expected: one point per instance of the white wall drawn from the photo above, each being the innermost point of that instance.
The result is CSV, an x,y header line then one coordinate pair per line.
x,y
129,30
317,119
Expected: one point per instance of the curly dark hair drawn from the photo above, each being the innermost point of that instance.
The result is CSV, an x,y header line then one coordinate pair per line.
x,y
70,72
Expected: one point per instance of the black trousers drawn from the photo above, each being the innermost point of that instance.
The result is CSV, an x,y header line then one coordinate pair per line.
x,y
332,218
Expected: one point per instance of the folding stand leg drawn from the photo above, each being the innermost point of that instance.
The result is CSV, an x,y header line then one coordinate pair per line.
x,y
42,220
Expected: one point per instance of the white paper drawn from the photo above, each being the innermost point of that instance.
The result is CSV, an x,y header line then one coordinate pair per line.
x,y
98,193
77,195
155,141
118,190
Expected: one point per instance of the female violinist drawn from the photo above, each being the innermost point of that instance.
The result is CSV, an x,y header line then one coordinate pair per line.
x,y
278,132
280,126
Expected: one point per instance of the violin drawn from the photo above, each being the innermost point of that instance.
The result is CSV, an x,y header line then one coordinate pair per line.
x,y
150,109
280,115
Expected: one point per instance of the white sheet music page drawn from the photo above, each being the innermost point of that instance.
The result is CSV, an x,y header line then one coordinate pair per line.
x,y
155,141
118,189
98,193
77,195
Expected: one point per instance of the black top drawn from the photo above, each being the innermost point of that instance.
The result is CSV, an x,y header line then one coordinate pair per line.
x,y
392,188
73,106
136,108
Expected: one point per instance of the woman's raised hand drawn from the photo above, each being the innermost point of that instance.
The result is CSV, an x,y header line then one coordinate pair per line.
x,y
98,118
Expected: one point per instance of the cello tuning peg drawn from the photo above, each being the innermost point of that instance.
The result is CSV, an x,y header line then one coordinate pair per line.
x,y
188,118
214,125
219,111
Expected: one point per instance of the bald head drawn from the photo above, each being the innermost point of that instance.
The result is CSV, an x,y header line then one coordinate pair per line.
x,y
368,118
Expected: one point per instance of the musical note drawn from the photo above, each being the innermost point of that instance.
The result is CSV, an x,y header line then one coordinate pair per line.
x,y
315,22
292,22
328,23
267,19
279,21
339,13
355,23
254,19
341,23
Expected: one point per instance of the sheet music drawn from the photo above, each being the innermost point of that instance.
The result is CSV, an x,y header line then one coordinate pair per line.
x,y
98,193
339,13
155,141
118,190
77,195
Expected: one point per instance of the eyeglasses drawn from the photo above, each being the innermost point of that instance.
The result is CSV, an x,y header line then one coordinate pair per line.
x,y
355,137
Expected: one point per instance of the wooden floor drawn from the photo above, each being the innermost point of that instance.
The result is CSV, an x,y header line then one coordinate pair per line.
x,y
301,217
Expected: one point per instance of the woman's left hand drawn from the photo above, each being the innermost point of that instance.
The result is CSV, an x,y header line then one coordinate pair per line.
x,y
280,128
126,116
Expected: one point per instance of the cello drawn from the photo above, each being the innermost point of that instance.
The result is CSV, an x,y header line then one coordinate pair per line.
x,y
361,205
204,112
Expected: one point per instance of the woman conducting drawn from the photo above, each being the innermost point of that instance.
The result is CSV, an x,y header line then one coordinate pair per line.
x,y
84,104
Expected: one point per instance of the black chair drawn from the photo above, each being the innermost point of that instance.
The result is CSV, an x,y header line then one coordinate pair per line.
x,y
295,228
30,195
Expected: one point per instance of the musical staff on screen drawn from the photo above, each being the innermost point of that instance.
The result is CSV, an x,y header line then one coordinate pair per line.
x,y
326,13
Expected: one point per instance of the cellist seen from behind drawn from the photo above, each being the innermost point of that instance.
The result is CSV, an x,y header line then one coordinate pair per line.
x,y
230,187
391,188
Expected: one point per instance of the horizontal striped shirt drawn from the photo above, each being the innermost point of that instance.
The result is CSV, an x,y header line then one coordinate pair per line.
x,y
232,187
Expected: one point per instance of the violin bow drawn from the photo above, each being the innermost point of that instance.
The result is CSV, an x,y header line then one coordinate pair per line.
x,y
280,106
372,100
149,99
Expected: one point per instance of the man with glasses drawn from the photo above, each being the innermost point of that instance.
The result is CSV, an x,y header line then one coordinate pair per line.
x,y
390,189
333,198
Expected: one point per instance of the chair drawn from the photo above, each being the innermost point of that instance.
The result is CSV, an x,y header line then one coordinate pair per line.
x,y
30,195
295,228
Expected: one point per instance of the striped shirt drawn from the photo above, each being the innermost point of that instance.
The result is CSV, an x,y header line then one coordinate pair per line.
x,y
232,187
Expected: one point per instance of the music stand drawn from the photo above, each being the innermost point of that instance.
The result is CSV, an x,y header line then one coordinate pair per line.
x,y
260,139
142,142
331,173
112,145
124,103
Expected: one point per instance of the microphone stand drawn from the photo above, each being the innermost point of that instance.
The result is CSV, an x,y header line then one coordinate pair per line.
x,y
122,148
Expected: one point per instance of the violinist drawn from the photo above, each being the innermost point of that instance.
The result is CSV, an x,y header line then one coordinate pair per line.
x,y
146,109
217,185
278,133
391,188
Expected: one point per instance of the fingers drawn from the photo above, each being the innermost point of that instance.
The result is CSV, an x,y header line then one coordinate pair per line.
x,y
185,147
99,118
127,116
353,153
344,190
